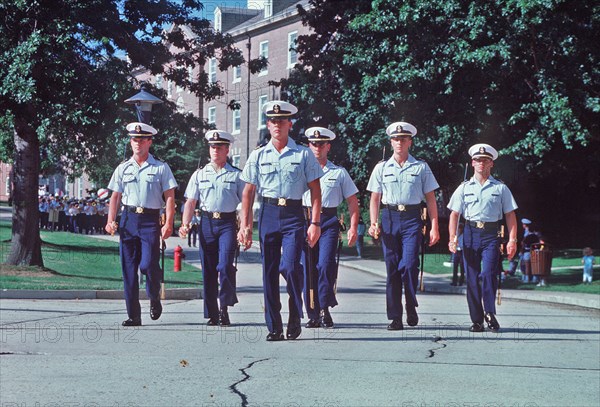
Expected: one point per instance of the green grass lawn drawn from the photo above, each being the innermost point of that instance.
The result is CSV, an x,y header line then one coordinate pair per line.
x,y
79,262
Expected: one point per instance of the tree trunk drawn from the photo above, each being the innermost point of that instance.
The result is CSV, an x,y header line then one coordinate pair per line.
x,y
26,245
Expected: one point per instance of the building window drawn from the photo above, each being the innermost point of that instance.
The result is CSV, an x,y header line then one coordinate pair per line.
x,y
212,115
236,122
292,54
235,160
268,8
212,70
237,74
264,52
180,105
7,186
79,188
218,19
169,88
159,81
262,119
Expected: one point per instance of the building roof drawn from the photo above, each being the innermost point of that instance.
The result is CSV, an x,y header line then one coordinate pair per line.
x,y
235,20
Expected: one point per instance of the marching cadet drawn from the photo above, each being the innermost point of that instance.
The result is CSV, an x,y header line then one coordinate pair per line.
x,y
219,189
281,171
336,185
482,201
401,184
139,185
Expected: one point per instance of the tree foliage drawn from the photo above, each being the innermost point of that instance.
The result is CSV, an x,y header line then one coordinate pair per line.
x,y
64,77
521,75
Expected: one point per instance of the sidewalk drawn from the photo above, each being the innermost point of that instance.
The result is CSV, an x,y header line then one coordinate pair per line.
x,y
434,283
440,283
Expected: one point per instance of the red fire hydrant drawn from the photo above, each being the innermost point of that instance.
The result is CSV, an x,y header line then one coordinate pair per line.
x,y
178,255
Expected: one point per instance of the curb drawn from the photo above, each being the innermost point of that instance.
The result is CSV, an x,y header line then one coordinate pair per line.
x,y
171,294
591,301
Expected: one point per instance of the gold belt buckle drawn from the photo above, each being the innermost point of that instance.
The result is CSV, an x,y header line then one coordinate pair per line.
x,y
281,202
480,224
216,215
139,209
401,208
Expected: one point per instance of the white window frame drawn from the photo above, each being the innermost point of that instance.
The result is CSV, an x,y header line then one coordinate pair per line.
x,y
158,81
212,115
262,120
212,70
236,121
292,41
263,51
237,74
169,88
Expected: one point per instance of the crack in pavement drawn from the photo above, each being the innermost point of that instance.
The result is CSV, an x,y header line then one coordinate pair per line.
x,y
436,339
233,387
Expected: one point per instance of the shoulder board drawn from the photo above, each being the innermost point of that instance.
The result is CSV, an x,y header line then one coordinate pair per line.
x,y
235,168
498,179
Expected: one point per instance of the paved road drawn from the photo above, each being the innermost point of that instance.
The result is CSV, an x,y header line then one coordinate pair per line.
x,y
75,353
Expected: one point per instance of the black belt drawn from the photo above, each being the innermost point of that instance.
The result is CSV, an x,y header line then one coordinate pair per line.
x,y
326,211
283,202
484,225
141,210
219,215
402,208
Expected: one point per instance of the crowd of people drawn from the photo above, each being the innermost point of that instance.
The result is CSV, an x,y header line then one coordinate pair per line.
x,y
64,214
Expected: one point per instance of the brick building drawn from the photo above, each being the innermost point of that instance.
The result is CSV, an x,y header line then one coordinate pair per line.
x,y
266,28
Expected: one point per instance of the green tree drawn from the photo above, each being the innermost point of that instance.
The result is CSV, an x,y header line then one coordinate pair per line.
x,y
521,75
63,82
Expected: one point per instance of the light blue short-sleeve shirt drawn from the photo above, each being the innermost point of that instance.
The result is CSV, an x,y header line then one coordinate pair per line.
x,y
142,185
485,203
216,191
281,175
406,185
336,185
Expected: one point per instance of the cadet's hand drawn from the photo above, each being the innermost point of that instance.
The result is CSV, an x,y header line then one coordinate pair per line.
x,y
166,231
511,248
352,235
313,234
111,227
374,230
452,245
183,231
434,237
245,237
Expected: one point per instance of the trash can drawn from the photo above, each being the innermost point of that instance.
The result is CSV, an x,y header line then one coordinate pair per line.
x,y
541,260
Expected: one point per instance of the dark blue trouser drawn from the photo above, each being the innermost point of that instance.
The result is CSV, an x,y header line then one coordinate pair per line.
x,y
324,255
401,237
218,244
140,248
480,253
281,233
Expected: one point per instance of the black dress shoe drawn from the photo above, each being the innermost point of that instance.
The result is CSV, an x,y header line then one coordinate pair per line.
x,y
224,317
492,322
275,336
396,325
132,322
476,327
412,318
293,331
313,323
212,322
155,309
326,320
